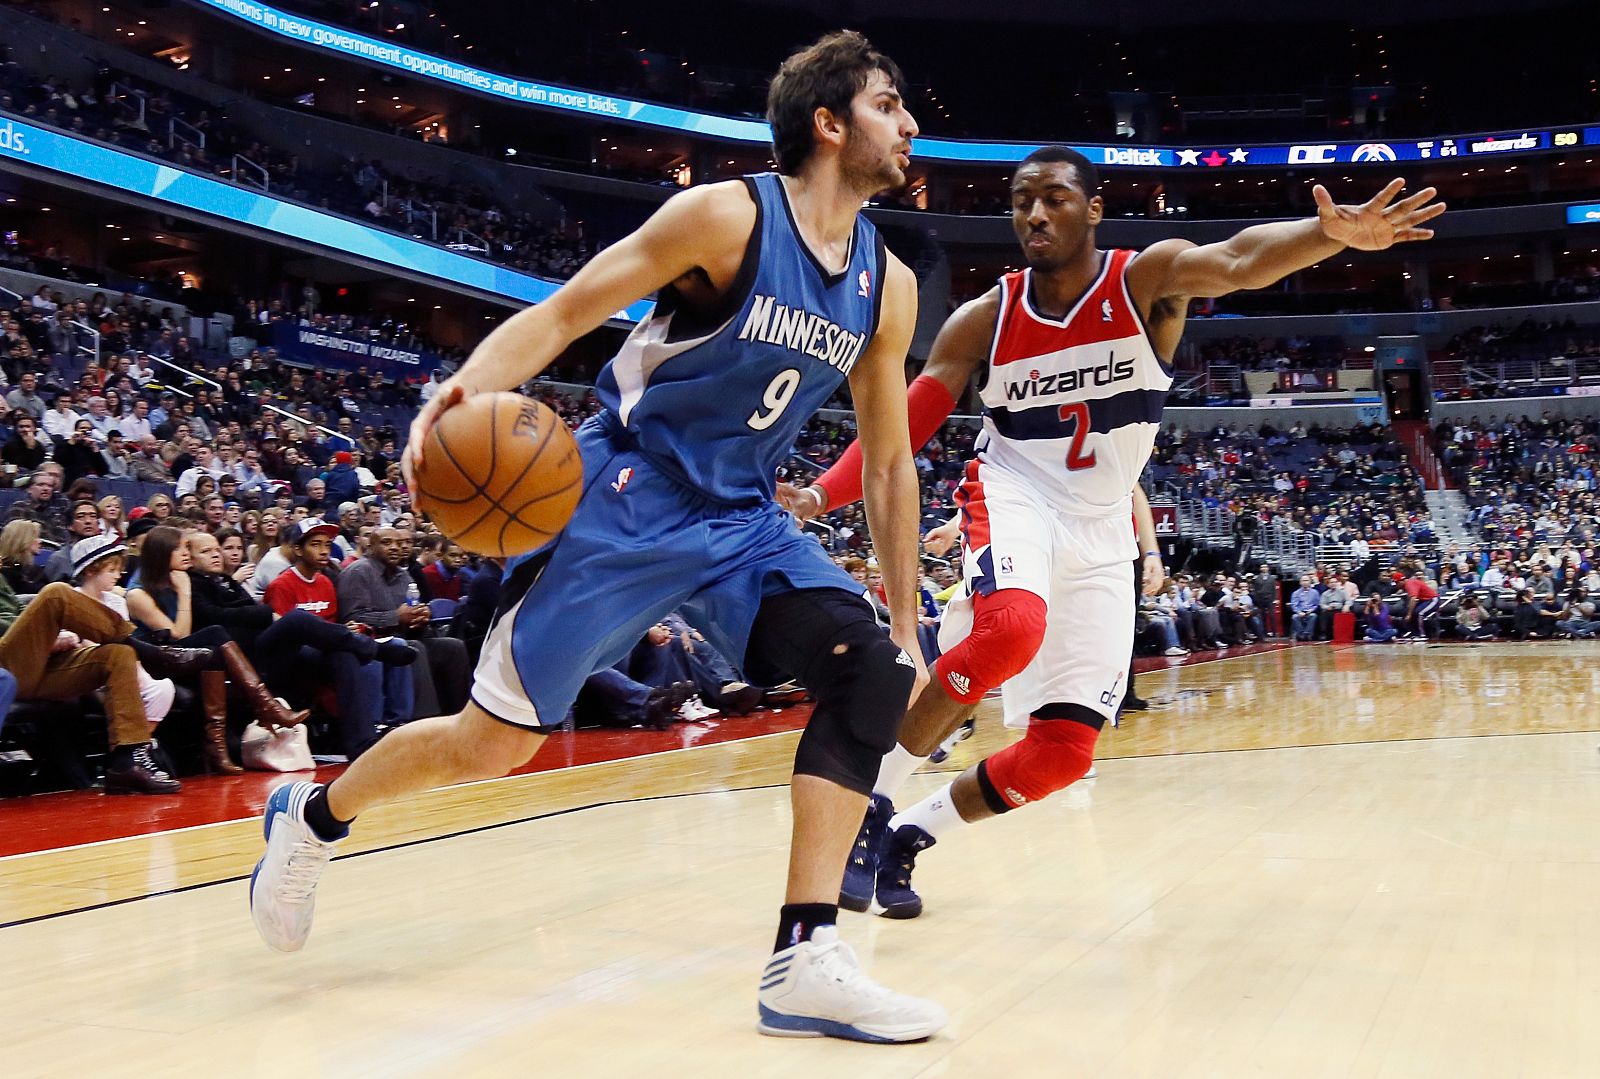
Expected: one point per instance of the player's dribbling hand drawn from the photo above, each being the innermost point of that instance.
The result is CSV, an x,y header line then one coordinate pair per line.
x,y
448,396
803,503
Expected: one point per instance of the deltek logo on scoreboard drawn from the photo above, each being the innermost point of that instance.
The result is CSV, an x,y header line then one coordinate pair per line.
x,y
1586,214
1117,156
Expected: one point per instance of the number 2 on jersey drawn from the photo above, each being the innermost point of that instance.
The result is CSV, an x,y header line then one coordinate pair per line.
x,y
1077,414
779,392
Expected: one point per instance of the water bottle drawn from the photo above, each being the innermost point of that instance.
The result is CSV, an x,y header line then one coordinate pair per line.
x,y
413,595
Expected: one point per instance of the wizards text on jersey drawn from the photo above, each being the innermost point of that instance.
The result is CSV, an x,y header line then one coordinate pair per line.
x,y
1039,384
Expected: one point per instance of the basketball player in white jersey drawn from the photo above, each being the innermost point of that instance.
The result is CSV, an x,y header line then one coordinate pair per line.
x,y
1073,357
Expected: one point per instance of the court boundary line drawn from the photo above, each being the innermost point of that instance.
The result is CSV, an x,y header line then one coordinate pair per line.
x,y
476,829
389,848
1335,745
1281,647
451,787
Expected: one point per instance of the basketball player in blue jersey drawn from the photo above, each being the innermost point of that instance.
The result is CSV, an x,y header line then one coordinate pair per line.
x,y
770,291
1073,362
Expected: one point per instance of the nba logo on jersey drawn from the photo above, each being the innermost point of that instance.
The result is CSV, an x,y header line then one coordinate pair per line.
x,y
864,284
1105,311
1005,564
622,480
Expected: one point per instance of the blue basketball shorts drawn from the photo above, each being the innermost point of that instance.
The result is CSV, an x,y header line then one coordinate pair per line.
x,y
639,546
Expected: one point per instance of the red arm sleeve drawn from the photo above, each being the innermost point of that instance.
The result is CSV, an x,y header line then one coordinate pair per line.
x,y
928,404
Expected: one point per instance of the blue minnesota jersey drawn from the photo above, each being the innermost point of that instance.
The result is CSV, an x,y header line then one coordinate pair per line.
x,y
717,399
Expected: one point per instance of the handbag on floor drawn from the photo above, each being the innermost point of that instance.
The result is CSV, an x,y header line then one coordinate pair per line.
x,y
287,749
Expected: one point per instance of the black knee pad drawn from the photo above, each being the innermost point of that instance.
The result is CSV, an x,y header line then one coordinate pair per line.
x,y
1077,713
862,681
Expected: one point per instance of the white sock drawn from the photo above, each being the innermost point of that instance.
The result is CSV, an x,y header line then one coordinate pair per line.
x,y
936,814
897,766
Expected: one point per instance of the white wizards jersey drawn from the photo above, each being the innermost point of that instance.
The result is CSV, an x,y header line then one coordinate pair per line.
x,y
1072,407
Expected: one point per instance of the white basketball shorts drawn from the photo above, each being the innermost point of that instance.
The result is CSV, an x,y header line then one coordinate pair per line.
x,y
1082,567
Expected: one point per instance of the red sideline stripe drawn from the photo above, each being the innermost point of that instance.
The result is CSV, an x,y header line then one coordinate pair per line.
x,y
974,509
48,821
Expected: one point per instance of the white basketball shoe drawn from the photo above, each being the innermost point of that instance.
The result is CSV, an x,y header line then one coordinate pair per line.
x,y
817,989
283,885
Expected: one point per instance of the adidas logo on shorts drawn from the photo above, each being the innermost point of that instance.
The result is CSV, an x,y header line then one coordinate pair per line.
x,y
905,660
960,682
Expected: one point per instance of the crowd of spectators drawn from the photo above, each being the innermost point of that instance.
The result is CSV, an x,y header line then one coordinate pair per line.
x,y
1504,360
1269,353
464,218
1347,486
1531,483
117,109
939,468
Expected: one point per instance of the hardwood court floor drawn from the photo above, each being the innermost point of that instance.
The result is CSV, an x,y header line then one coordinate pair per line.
x,y
1317,862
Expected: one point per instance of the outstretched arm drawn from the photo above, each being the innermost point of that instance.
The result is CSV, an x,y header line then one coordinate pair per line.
x,y
1264,254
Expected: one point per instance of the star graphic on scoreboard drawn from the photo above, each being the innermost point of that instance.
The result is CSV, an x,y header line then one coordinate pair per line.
x,y
1188,157
1238,155
1214,159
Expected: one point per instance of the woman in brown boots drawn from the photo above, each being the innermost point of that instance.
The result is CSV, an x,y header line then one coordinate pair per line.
x,y
161,604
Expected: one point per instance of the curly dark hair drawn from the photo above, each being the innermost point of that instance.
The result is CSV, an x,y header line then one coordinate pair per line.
x,y
825,75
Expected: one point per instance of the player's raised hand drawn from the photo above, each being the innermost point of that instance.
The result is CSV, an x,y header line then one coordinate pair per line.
x,y
449,394
803,502
1380,222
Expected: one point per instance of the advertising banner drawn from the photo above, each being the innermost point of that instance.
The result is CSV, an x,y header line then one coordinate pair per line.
x,y
83,159
346,352
1166,518
356,46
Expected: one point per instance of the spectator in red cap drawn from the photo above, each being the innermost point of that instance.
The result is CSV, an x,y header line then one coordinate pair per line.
x,y
343,485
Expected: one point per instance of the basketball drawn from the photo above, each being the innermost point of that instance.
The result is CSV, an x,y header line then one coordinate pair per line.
x,y
500,474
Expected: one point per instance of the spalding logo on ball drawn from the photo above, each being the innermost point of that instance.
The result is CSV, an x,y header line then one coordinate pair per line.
x,y
500,474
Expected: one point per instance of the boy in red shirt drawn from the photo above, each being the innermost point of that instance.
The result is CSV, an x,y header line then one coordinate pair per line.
x,y
1423,601
379,689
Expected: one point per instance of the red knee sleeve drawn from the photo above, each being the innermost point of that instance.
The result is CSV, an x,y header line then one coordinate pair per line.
x,y
1007,630
1055,753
